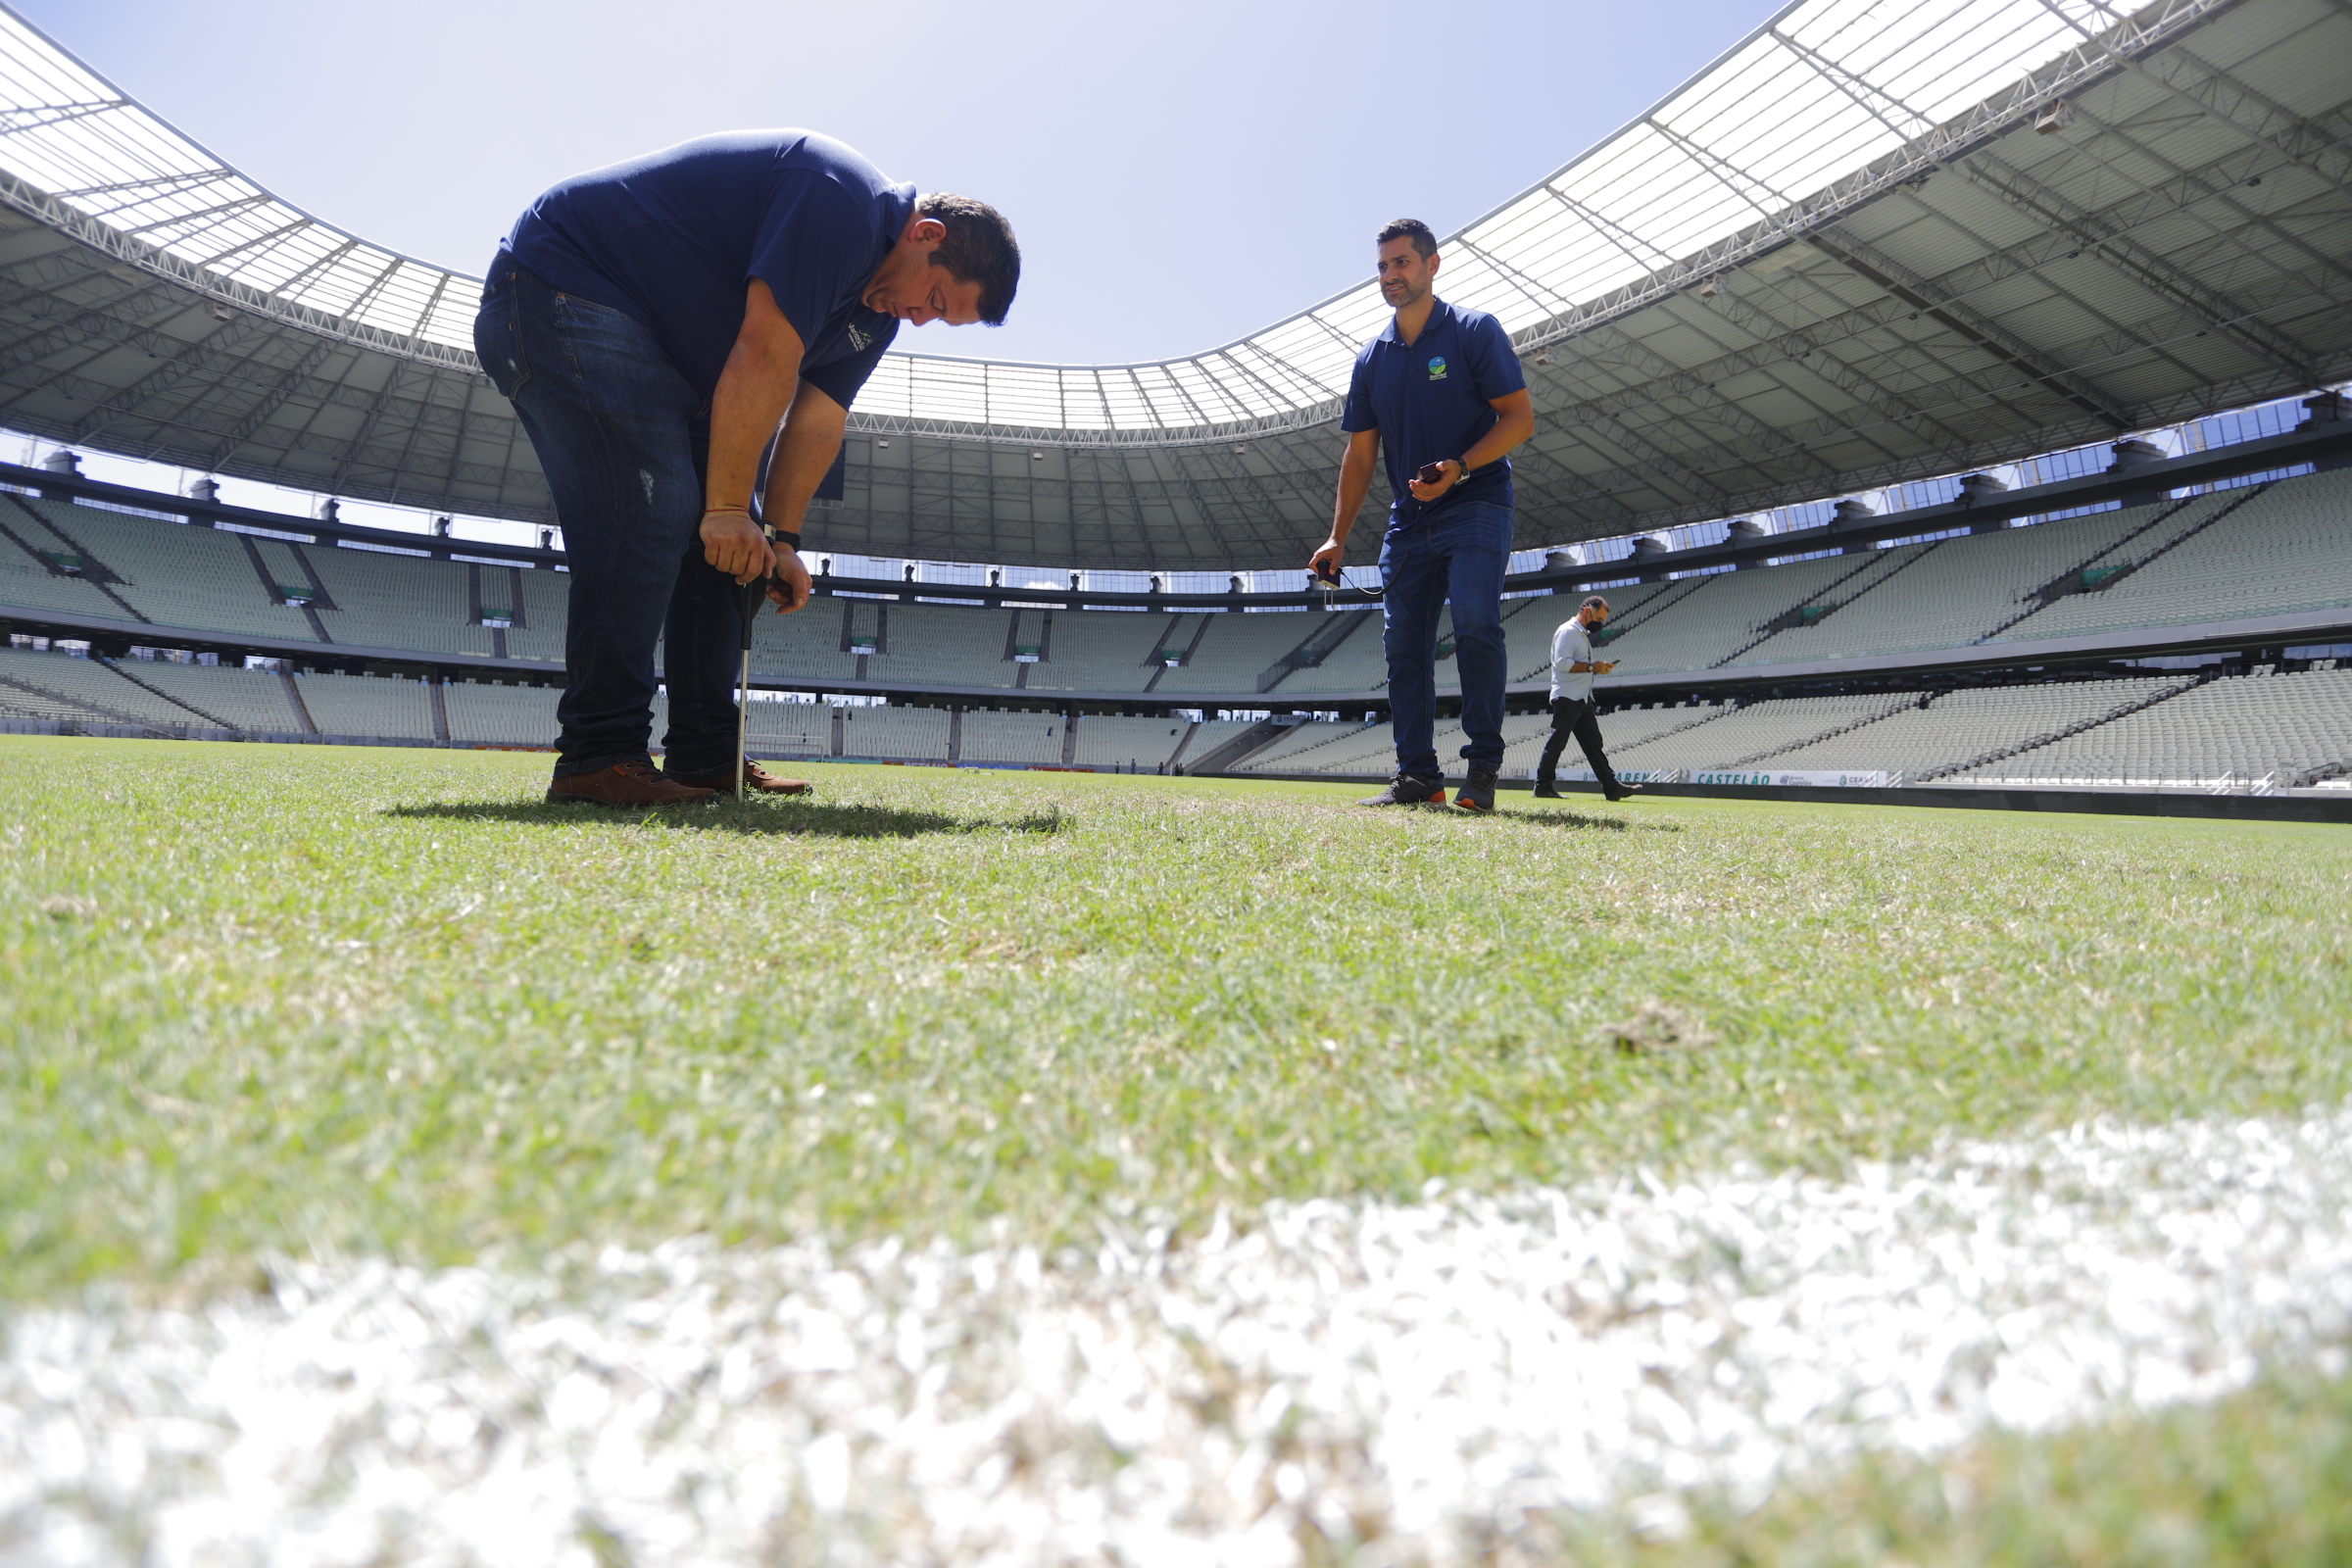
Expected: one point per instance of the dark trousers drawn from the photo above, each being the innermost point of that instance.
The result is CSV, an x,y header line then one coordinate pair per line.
x,y
1581,719
1457,555
624,440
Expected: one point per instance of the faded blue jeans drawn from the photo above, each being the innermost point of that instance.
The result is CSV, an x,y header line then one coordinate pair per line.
x,y
623,439
1456,553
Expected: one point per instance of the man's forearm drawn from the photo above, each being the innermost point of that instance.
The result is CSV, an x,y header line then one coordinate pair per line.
x,y
753,391
1356,483
1500,442
805,454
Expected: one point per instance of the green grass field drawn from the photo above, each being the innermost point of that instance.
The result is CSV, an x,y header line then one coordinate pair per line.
x,y
304,1001
311,1001
2259,1478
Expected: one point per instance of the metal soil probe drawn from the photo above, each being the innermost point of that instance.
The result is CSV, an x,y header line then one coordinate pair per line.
x,y
752,592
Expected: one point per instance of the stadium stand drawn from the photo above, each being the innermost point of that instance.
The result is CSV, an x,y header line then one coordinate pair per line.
x,y
240,699
386,601
370,706
1100,652
1209,737
1959,590
26,580
181,576
44,569
72,688
946,645
2286,548
811,644
546,602
2271,548
1723,614
1141,744
2266,546
485,714
1630,604
1327,747
1028,739
1359,749
1751,734
790,730
1951,729
1620,731
896,734
2288,729
1349,655
1289,752
1237,651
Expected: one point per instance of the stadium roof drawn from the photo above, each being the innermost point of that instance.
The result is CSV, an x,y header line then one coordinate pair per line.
x,y
1876,240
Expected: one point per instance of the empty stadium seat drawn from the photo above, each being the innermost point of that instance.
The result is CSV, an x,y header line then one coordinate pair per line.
x,y
2285,728
240,699
896,734
1966,727
944,645
484,715
2287,549
1099,651
371,707
1749,735
1145,744
1031,738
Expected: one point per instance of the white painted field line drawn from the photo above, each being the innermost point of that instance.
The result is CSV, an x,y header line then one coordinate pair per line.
x,y
1416,1374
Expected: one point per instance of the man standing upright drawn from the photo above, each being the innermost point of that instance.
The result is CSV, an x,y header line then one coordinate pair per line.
x,y
653,323
1441,391
1574,708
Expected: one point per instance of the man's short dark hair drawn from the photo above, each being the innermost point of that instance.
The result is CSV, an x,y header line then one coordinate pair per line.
x,y
979,249
1596,602
1425,244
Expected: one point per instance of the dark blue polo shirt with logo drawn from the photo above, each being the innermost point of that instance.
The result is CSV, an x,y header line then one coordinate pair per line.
x,y
674,238
1431,400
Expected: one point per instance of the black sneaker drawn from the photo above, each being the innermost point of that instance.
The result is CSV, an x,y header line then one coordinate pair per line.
x,y
1546,790
1620,792
1407,790
1477,792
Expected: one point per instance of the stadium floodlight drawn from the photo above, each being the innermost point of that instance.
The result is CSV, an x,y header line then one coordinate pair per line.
x,y
2057,117
1711,288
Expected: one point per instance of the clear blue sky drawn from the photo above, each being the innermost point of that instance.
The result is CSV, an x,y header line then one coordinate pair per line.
x,y
1179,175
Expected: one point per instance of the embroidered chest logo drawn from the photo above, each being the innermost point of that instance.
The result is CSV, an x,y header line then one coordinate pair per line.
x,y
1437,368
858,340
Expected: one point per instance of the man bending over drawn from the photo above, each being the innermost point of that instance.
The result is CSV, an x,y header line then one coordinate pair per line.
x,y
1442,392
653,323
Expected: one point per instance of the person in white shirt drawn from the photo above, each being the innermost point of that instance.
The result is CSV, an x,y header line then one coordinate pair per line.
x,y
1574,712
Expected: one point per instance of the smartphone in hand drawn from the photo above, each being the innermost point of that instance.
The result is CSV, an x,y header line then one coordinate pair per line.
x,y
1432,473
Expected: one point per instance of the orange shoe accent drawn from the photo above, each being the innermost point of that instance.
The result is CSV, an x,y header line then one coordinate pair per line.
x,y
1438,799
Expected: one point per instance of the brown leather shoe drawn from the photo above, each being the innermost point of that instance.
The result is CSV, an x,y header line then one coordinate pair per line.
x,y
626,784
761,781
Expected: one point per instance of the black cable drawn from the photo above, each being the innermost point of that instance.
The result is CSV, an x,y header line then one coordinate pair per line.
x,y
1333,578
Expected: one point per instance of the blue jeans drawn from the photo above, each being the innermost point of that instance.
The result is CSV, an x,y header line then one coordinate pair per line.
x,y
623,439
1459,553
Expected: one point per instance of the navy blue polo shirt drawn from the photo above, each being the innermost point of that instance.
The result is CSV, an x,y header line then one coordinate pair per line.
x,y
674,238
1431,400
